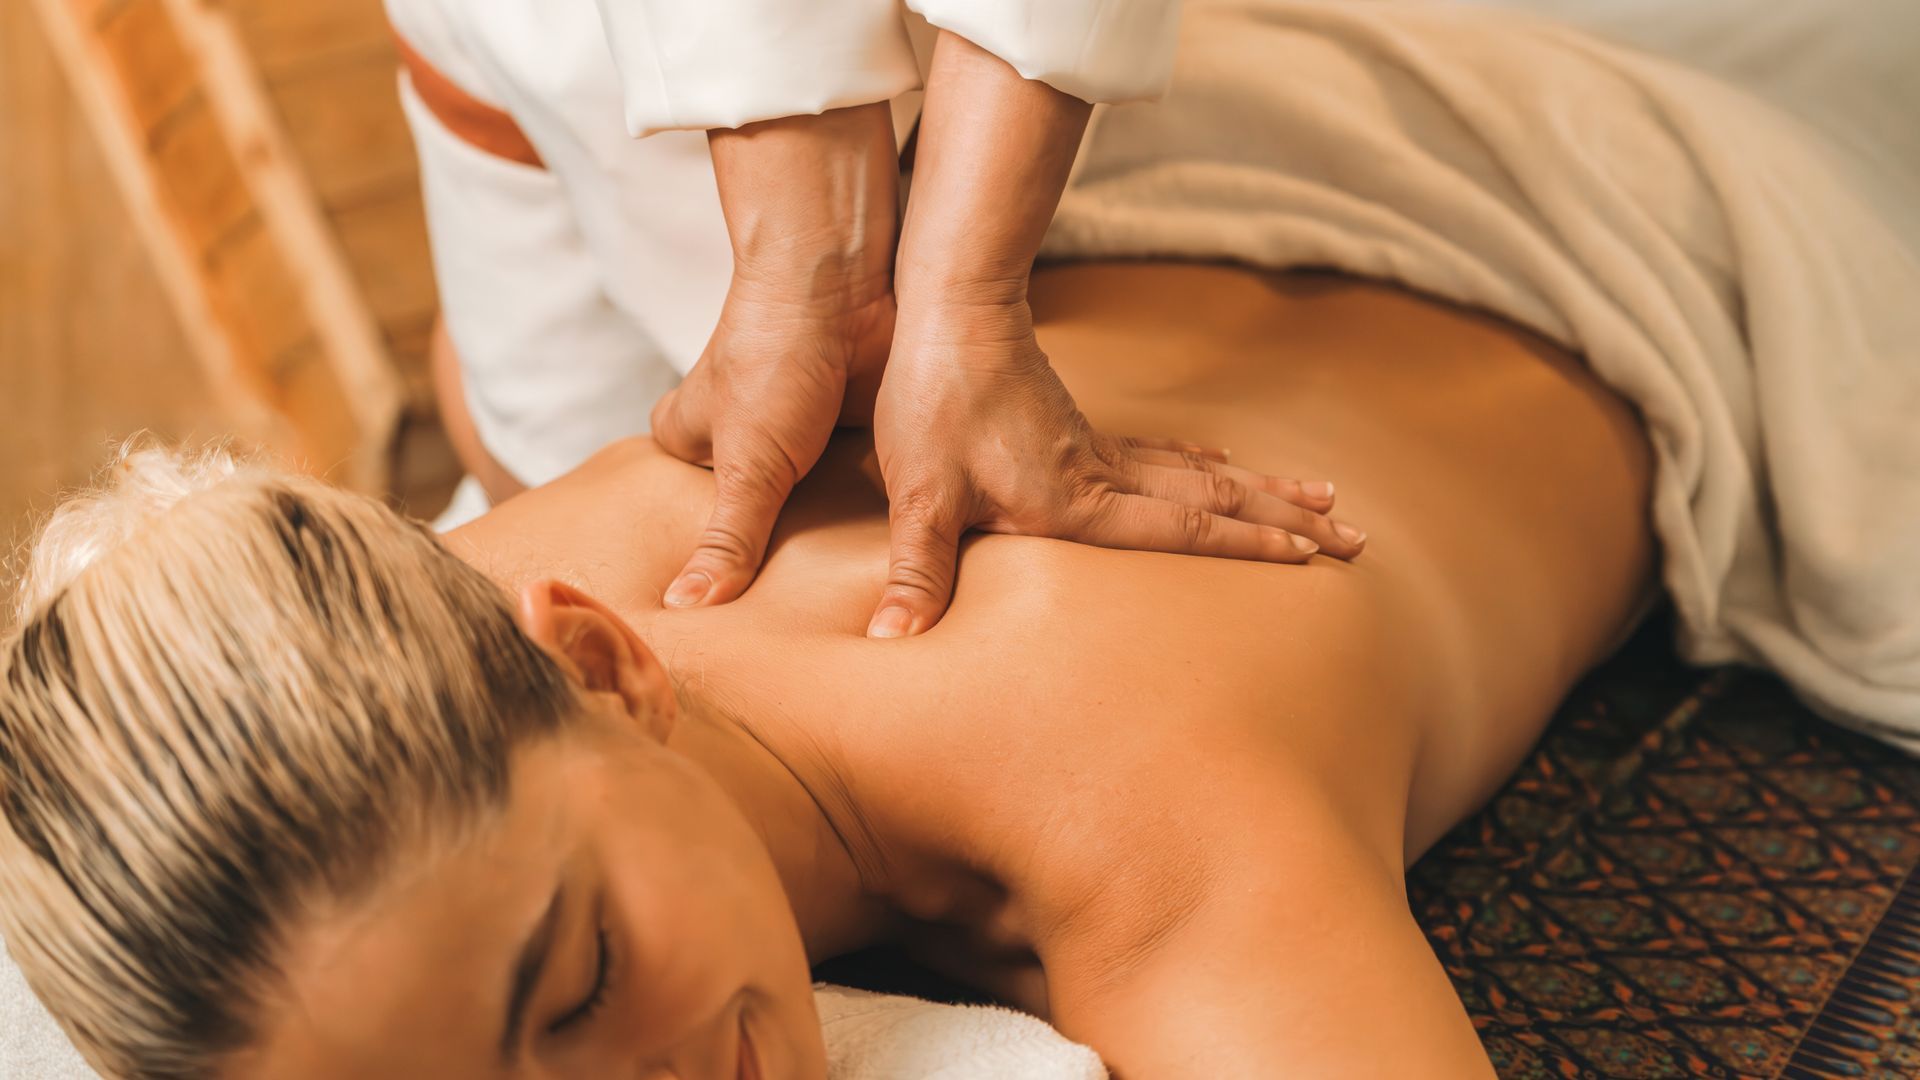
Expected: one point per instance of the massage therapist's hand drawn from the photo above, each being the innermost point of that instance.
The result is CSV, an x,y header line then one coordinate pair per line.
x,y
974,430
972,427
811,208
758,409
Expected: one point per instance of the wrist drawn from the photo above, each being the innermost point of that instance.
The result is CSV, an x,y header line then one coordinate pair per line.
x,y
965,334
824,282
966,297
961,282
811,204
958,272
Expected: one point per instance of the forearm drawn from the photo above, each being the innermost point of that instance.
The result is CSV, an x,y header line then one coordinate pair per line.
x,y
811,204
994,153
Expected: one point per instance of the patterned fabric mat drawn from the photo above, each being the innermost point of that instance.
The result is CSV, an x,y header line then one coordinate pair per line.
x,y
1691,876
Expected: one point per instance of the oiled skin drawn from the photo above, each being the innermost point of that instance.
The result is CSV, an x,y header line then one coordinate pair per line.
x,y
1156,798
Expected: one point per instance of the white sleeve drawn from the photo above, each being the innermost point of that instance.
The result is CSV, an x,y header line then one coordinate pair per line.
x,y
1096,50
698,64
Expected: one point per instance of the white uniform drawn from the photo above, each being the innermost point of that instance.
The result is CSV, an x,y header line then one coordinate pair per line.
x,y
579,290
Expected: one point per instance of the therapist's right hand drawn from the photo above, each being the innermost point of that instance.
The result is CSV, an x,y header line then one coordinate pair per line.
x,y
758,409
811,209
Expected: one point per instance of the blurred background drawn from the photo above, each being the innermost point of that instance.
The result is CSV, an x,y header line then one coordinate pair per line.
x,y
210,228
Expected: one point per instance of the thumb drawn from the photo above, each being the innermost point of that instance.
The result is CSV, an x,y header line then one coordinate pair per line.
x,y
921,563
748,494
681,430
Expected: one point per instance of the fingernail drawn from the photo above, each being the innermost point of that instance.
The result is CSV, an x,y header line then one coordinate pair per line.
x,y
1304,546
1318,489
689,589
890,622
1348,533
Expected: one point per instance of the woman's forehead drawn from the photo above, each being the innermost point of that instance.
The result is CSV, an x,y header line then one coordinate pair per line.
x,y
421,964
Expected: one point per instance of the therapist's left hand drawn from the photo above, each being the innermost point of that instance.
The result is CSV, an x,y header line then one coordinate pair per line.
x,y
758,409
802,337
973,429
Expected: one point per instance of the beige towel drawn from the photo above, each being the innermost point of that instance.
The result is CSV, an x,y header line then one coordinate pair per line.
x,y
1750,286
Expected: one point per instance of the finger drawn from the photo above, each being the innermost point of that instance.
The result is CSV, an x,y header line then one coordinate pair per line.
x,y
679,429
1313,494
1176,446
748,492
921,561
1144,523
1220,494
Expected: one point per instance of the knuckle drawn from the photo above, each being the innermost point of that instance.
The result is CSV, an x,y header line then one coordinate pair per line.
x,y
1094,512
1195,525
1198,462
759,472
916,577
722,542
1225,495
1113,454
929,507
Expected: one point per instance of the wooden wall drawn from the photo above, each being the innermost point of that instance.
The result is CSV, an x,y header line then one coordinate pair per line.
x,y
329,68
91,349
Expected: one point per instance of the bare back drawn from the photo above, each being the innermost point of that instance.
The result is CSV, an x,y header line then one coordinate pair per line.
x,y
1087,722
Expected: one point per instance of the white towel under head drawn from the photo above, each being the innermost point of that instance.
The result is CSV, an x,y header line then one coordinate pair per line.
x,y
887,1037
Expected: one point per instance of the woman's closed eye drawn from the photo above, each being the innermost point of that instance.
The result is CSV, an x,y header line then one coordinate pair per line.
x,y
597,995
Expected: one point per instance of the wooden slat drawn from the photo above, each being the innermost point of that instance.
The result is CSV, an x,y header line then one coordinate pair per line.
x,y
349,336
278,197
120,133
310,395
138,39
258,297
383,243
408,340
349,133
90,350
291,36
200,178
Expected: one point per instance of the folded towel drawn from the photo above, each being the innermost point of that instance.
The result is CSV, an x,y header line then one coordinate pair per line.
x,y
888,1037
1750,285
32,1046
869,1037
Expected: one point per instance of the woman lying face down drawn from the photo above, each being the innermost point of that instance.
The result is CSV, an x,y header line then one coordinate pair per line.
x,y
295,789
481,856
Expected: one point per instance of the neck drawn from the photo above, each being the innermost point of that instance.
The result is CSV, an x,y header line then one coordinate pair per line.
x,y
786,803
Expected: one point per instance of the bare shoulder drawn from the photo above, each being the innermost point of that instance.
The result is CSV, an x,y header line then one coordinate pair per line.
x,y
601,527
1284,964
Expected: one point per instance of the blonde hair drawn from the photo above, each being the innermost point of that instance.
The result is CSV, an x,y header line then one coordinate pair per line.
x,y
232,691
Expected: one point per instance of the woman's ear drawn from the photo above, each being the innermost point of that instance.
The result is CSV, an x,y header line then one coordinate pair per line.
x,y
600,651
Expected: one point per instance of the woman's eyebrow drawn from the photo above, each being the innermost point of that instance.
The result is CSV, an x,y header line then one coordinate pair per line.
x,y
526,974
